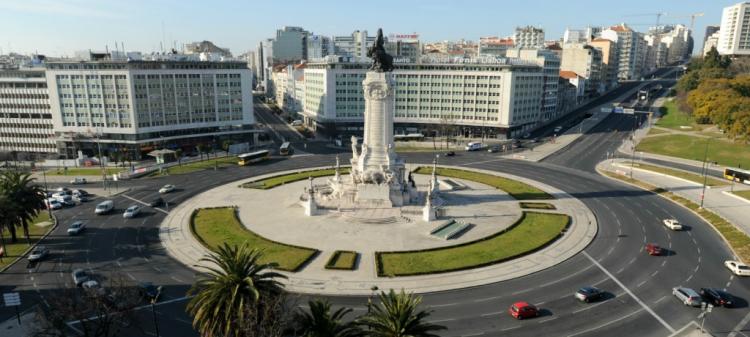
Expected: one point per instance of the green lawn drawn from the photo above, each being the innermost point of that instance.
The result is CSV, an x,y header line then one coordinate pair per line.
x,y
343,260
744,194
438,148
738,240
272,182
216,226
13,251
516,189
536,205
674,118
696,178
84,171
531,232
200,165
724,152
654,131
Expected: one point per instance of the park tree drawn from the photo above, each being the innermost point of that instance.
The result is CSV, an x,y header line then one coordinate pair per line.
x,y
26,200
398,315
321,322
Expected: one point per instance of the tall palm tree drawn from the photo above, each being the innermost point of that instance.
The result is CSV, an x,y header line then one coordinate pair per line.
x,y
27,200
235,279
319,322
397,315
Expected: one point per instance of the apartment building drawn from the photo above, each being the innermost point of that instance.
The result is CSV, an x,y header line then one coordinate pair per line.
x,y
26,127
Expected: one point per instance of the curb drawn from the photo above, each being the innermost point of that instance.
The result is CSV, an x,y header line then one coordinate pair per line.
x,y
32,246
736,196
726,242
662,174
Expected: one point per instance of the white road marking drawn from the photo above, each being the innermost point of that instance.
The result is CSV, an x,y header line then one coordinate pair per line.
x,y
176,279
610,322
443,305
658,318
487,299
492,314
738,328
661,299
510,328
589,307
689,278
443,320
654,273
642,283
144,203
548,319
131,276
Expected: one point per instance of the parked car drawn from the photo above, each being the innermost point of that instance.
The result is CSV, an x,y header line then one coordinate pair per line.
x,y
64,190
38,253
131,212
155,202
588,294
53,203
80,192
521,310
79,276
78,181
166,188
493,149
526,135
64,199
93,287
104,207
653,249
687,296
149,291
738,268
717,297
673,224
450,154
80,197
474,146
76,228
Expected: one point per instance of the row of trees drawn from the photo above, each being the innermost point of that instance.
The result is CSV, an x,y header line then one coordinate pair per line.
x,y
241,297
20,202
716,90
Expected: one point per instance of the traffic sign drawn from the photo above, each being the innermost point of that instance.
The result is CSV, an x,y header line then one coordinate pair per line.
x,y
12,299
628,111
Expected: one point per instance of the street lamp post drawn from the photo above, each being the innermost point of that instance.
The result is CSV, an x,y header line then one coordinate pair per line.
x,y
153,310
705,172
46,193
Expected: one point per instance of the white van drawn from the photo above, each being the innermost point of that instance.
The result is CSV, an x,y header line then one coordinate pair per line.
x,y
474,146
104,207
297,122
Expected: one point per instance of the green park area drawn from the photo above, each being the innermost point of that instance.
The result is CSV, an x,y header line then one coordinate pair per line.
x,y
38,227
199,165
84,171
744,194
698,179
722,151
516,189
674,118
530,233
216,226
342,260
279,180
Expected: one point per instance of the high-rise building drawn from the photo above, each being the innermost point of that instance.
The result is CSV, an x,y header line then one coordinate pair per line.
x,y
711,42
404,47
355,45
586,61
25,116
549,61
528,37
631,49
710,30
734,36
135,106
609,61
318,46
580,35
290,45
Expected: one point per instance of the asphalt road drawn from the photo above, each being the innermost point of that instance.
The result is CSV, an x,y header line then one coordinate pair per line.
x,y
639,300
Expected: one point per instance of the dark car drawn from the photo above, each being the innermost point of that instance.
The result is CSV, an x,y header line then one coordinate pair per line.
x,y
717,297
450,154
588,294
149,291
155,202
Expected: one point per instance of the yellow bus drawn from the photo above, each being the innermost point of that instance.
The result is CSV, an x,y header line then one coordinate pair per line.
x,y
738,175
252,157
286,149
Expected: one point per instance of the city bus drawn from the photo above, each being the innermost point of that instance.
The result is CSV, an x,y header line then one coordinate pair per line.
x,y
252,157
738,175
286,149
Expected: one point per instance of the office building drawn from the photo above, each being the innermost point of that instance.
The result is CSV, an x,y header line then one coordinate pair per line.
x,y
549,61
404,47
734,34
355,45
289,45
528,37
631,50
711,42
26,127
609,61
136,106
205,47
318,46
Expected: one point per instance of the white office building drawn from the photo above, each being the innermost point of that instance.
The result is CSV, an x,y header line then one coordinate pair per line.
x,y
529,37
25,115
290,45
734,34
550,62
137,106
631,50
318,46
355,45
491,96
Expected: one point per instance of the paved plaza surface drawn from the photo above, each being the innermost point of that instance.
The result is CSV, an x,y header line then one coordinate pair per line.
x,y
276,214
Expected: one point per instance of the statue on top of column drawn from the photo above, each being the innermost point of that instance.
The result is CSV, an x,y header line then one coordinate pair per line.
x,y
381,61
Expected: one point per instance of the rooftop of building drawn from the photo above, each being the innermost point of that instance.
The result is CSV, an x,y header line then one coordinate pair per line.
x,y
567,74
107,64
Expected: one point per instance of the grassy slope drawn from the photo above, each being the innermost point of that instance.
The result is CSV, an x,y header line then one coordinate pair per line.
x,y
682,174
292,177
516,189
688,147
14,250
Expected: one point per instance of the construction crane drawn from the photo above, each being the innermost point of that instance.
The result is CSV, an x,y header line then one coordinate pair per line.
x,y
692,18
658,17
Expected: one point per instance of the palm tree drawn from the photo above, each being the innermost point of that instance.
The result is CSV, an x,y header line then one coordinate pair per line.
x,y
397,316
27,200
235,279
319,322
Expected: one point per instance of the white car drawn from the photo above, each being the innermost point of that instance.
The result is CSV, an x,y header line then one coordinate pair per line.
x,y
78,181
738,268
76,228
53,204
131,211
38,253
166,189
673,224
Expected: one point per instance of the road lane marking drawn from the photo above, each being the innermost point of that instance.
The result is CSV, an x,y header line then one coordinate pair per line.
x,y
658,318
548,319
738,328
490,314
144,204
610,322
510,328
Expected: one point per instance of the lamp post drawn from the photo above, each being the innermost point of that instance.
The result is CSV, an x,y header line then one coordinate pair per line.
x,y
705,172
46,193
153,310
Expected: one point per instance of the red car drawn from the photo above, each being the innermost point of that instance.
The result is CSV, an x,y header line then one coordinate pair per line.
x,y
521,310
653,249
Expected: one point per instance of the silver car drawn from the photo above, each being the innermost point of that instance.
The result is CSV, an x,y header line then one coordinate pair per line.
x,y
79,277
687,296
38,253
131,212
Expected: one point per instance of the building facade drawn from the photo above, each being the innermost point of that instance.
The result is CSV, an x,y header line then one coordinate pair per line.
x,y
609,61
631,50
26,126
586,61
734,34
355,45
493,45
528,37
137,106
404,47
549,61
289,45
318,46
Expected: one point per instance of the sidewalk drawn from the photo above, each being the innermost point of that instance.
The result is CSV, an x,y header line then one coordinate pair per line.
x,y
717,199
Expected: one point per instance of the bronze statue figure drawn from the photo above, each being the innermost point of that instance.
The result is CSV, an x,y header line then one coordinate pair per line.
x,y
381,61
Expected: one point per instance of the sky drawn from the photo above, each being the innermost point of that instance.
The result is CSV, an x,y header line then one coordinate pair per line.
x,y
61,27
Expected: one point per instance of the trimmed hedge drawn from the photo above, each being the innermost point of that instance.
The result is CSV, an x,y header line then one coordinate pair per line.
x,y
274,181
516,189
532,232
343,260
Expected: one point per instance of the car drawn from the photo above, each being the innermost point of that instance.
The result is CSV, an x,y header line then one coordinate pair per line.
x,y
80,192
78,181
53,204
738,268
149,291
717,297
63,190
166,188
493,149
131,212
535,140
653,249
76,228
79,276
558,129
93,287
80,197
155,202
450,154
104,207
38,253
687,296
673,224
64,199
473,146
521,310
588,294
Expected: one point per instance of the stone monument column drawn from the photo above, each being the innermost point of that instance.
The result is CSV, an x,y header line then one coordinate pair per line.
x,y
377,145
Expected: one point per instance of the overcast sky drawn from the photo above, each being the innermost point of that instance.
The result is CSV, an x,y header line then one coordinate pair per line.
x,y
61,27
